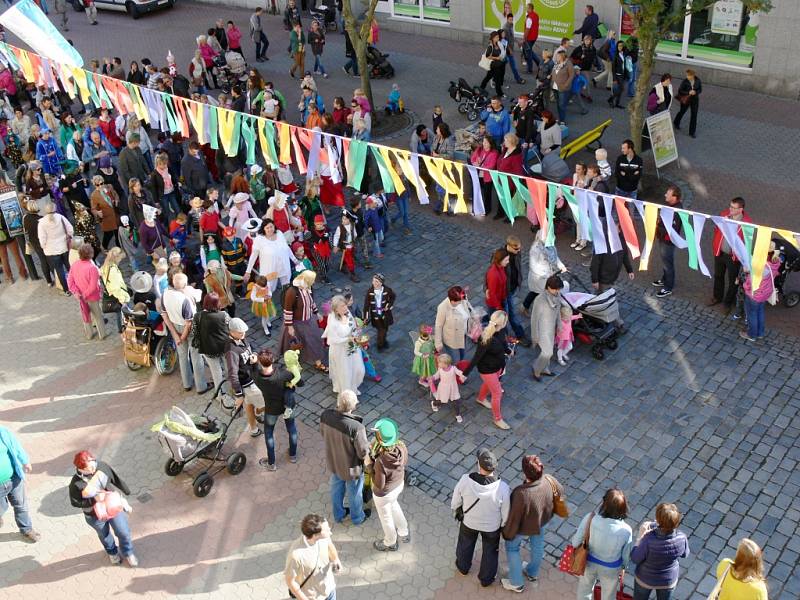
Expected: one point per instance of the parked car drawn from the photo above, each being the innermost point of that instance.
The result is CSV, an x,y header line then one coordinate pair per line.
x,y
135,8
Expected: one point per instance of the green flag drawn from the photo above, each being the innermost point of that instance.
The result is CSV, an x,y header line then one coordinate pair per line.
x,y
386,178
688,233
503,193
249,136
357,159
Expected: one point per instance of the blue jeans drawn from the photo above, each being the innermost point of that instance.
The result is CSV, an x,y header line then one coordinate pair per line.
x,y
376,243
608,578
508,306
563,102
351,64
754,312
354,487
530,56
453,351
668,260
60,264
641,593
120,526
536,547
318,64
169,204
402,209
269,428
190,363
512,62
632,80
13,492
626,194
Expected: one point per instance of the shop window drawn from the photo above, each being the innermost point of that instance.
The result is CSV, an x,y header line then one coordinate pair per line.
x,y
427,10
718,35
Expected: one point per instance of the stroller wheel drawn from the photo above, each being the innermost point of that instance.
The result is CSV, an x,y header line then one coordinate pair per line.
x,y
791,299
202,485
472,115
173,467
166,356
612,344
236,463
597,352
462,107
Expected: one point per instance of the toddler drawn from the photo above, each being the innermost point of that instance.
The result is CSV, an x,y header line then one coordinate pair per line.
x,y
303,263
395,102
291,358
261,298
424,365
601,156
160,280
447,391
178,232
564,335
374,223
438,116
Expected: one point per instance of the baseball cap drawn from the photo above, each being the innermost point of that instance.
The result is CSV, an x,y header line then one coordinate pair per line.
x,y
487,460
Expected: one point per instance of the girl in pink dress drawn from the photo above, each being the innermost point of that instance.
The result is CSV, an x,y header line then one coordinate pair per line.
x,y
449,378
564,335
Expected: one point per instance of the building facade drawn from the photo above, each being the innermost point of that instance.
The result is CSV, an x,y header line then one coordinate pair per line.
x,y
724,44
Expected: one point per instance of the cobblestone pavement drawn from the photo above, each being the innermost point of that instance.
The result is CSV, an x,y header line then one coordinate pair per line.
x,y
680,412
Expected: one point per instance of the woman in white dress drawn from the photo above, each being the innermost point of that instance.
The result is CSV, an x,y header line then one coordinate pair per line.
x,y
344,355
274,257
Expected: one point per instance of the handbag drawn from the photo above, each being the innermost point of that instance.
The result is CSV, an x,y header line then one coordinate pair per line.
x,y
109,507
573,560
485,62
773,296
66,233
684,99
715,592
460,512
621,595
559,502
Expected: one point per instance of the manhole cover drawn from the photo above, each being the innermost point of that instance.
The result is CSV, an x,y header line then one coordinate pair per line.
x,y
390,125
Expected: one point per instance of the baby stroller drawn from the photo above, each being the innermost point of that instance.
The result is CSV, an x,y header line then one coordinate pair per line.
x,y
471,99
600,312
326,15
380,67
187,437
787,281
232,70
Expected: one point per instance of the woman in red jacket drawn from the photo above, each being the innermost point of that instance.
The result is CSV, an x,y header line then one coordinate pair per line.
x,y
511,162
496,284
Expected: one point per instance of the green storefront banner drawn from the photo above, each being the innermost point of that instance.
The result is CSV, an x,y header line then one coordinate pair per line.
x,y
556,17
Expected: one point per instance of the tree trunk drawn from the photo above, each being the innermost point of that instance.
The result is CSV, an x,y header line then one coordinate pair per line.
x,y
359,37
647,32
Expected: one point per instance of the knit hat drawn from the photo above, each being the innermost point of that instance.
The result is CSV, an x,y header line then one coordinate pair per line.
x,y
487,460
296,246
236,325
380,277
319,220
387,429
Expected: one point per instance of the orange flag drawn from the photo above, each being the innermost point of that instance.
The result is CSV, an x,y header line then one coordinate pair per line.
x,y
626,224
286,148
538,191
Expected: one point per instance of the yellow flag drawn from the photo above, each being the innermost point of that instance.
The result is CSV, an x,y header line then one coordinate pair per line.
x,y
457,174
760,250
79,75
195,110
650,221
398,183
226,120
139,107
286,144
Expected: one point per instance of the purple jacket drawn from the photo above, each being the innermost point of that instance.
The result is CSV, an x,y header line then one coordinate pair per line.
x,y
656,557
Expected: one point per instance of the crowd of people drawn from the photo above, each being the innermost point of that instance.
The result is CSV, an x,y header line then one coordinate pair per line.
x,y
206,235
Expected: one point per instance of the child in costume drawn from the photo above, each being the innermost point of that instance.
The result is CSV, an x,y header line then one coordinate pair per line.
x,y
309,203
258,189
210,249
424,365
374,224
363,346
234,253
286,182
291,359
447,391
240,213
344,241
178,233
261,298
564,335
364,243
395,103
303,263
321,248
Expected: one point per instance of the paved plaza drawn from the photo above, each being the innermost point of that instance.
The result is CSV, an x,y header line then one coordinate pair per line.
x,y
682,412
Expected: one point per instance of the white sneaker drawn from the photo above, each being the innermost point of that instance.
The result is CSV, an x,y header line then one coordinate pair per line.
x,y
115,558
562,362
459,419
434,408
132,560
507,585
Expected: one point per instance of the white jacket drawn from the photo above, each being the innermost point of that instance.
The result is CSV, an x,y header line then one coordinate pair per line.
x,y
491,511
53,231
451,324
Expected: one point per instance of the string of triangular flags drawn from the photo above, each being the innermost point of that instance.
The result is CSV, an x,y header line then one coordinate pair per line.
x,y
312,150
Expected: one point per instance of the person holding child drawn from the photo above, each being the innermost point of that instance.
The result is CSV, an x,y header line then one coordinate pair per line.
x,y
275,384
449,378
301,320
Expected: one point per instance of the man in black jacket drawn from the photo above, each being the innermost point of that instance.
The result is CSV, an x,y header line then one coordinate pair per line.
x,y
628,170
194,171
513,279
524,121
667,281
